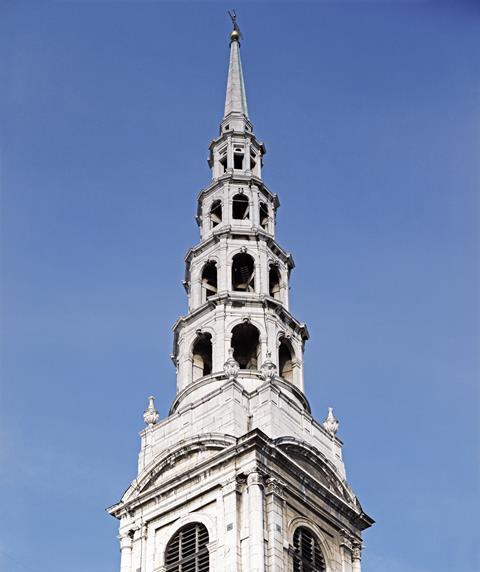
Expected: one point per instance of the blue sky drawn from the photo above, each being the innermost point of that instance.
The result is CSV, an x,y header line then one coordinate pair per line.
x,y
370,114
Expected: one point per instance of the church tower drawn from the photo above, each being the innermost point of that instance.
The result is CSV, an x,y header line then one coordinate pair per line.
x,y
239,477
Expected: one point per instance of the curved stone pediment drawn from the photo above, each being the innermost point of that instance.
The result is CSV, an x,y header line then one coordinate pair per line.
x,y
185,456
317,466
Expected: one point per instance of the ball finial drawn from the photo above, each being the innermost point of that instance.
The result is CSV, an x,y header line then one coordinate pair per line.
x,y
234,35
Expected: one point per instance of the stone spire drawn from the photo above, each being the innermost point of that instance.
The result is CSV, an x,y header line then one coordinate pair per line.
x,y
235,116
236,98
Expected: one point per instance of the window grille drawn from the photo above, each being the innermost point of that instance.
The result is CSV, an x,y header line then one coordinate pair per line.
x,y
307,556
187,551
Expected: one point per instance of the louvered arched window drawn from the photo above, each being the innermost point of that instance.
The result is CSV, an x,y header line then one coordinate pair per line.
x,y
187,550
307,556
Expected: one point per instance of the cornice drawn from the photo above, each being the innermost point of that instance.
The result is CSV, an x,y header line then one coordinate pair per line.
x,y
225,135
235,177
231,231
228,298
269,456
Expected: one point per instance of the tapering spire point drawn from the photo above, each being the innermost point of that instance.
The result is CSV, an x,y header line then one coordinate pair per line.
x,y
236,99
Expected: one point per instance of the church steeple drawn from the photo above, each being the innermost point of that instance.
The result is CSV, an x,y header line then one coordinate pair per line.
x,y
239,477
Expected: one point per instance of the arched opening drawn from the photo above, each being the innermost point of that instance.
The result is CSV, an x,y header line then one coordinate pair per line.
x,y
240,207
274,282
209,280
263,216
285,360
187,550
216,213
246,346
202,356
238,158
243,273
308,556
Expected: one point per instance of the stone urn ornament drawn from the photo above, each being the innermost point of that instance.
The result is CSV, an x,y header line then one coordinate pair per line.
x,y
231,367
268,370
150,415
331,422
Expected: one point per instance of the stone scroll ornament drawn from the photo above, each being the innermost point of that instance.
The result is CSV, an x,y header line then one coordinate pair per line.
x,y
231,367
150,415
268,370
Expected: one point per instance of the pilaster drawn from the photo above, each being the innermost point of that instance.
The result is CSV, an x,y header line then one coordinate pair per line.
x,y
256,522
231,491
126,545
357,557
274,501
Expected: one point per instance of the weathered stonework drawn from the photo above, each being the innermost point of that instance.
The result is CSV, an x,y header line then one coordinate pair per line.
x,y
240,452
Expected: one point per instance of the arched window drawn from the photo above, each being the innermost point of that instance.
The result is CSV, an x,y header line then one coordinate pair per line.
x,y
243,273
285,360
187,550
216,213
263,216
202,356
246,345
274,282
307,557
240,207
209,281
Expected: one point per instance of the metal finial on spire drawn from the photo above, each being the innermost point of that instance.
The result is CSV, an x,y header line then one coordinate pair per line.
x,y
235,34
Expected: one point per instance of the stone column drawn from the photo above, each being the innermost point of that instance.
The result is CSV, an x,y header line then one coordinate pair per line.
x,y
229,154
272,338
125,553
254,205
195,287
223,266
256,531
246,159
284,292
357,557
263,270
216,168
259,165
